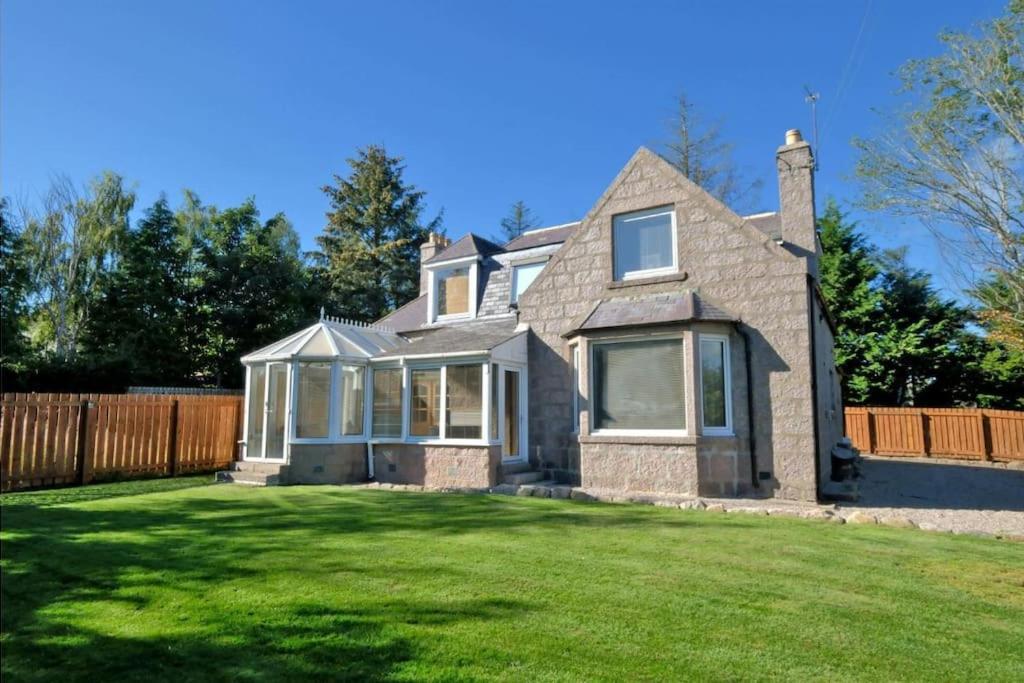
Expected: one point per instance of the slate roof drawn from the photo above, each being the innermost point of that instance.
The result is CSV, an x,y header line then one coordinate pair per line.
x,y
542,237
411,316
768,223
650,309
464,337
467,245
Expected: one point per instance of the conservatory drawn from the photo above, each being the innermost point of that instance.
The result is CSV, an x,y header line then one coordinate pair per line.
x,y
341,401
310,388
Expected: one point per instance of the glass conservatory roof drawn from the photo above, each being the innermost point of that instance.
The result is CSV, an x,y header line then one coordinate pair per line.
x,y
330,338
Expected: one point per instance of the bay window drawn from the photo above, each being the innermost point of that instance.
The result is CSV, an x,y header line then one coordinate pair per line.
x,y
714,377
313,400
644,243
387,402
638,385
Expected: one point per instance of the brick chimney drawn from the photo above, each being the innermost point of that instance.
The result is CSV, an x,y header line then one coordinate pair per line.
x,y
795,164
428,249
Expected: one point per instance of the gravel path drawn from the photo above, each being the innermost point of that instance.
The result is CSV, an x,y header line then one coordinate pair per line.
x,y
943,495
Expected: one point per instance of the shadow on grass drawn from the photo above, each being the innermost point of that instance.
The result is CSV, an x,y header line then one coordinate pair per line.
x,y
126,557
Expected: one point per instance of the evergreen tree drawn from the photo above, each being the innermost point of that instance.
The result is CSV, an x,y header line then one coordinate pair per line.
x,y
847,272
519,219
256,289
369,249
13,287
137,330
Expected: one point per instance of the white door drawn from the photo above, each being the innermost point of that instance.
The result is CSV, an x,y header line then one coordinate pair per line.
x,y
267,412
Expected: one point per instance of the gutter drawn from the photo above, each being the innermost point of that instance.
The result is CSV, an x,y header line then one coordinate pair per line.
x,y
751,438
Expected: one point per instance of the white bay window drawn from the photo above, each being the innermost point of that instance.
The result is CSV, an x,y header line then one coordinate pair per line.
x,y
638,386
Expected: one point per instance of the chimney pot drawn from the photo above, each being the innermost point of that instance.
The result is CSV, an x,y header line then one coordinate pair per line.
x,y
793,136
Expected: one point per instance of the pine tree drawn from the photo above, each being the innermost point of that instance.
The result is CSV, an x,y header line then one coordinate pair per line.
x,y
519,219
369,249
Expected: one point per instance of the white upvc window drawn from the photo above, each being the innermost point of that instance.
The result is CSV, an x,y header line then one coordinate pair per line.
x,y
638,386
328,401
644,243
448,403
386,403
576,388
453,290
523,275
715,385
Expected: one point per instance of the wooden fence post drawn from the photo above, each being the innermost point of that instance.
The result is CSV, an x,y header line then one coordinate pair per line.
x,y
172,440
871,430
986,436
82,446
926,445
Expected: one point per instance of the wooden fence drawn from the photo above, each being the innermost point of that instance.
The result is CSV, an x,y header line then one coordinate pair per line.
x,y
962,433
61,439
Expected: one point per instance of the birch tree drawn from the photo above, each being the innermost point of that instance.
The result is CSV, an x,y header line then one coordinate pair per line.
x,y
953,158
69,243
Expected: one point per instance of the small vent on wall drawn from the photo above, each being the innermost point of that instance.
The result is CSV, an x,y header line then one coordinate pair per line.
x,y
764,476
392,467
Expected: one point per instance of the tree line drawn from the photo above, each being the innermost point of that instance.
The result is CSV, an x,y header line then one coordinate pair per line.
x,y
91,303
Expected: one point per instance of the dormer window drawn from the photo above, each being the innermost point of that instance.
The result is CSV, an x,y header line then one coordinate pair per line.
x,y
453,291
523,275
644,243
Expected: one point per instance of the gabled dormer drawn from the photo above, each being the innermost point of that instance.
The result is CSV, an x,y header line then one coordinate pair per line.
x,y
452,278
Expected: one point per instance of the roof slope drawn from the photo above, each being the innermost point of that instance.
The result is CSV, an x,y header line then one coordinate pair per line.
x,y
649,309
542,237
467,245
464,338
408,317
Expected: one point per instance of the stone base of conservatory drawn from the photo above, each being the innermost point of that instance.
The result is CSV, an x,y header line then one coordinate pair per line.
x,y
329,463
691,467
437,466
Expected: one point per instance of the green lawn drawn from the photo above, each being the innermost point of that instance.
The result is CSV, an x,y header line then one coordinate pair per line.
x,y
178,580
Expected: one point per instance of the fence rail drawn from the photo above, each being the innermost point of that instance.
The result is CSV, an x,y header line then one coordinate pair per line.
x,y
961,433
61,439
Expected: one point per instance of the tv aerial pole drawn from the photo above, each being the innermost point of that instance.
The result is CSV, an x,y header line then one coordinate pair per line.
x,y
812,99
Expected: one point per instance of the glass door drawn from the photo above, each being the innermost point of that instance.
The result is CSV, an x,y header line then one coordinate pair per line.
x,y
511,448
277,410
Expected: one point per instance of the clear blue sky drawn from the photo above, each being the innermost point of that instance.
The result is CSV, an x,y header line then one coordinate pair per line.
x,y
488,102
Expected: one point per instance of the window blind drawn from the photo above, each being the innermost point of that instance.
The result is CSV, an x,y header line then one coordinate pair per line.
x,y
639,385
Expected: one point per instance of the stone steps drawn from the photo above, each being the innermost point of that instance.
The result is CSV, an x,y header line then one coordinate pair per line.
x,y
253,473
520,478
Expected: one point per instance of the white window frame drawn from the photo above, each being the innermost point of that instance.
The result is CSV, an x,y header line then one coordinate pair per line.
x,y
436,272
515,274
574,374
401,404
727,430
591,370
648,272
441,438
334,434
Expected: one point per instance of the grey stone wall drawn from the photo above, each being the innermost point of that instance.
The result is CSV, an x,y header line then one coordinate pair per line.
x,y
729,262
662,468
830,399
336,463
437,466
